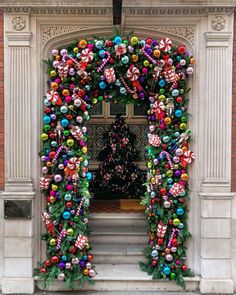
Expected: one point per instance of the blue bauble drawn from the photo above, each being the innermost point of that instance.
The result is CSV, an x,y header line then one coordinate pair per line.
x,y
153,194
64,157
89,176
85,257
178,113
176,134
142,42
158,212
178,57
78,55
118,83
70,153
47,103
125,59
169,180
122,90
46,119
154,253
99,44
175,92
180,211
66,215
166,139
181,225
67,197
117,40
102,85
166,270
64,258
54,143
162,83
102,53
64,123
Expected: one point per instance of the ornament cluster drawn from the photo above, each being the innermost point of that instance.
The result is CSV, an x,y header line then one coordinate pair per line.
x,y
127,70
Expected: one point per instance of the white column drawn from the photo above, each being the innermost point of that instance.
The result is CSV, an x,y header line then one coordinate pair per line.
x,y
215,194
18,233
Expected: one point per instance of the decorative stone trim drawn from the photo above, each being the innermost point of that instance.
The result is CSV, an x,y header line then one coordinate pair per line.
x,y
218,22
18,23
129,11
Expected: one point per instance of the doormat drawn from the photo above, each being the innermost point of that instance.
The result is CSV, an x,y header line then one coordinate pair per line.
x,y
115,206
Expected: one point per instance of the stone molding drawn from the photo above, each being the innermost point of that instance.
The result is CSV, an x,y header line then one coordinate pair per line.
x,y
127,10
50,31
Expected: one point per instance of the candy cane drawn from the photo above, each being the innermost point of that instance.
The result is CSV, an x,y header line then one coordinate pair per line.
x,y
61,236
58,152
166,154
105,61
174,230
126,86
147,55
79,208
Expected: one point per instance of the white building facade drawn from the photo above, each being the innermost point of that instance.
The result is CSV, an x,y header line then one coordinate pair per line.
x,y
31,30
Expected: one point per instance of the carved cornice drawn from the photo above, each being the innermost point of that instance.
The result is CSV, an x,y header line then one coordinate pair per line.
x,y
129,11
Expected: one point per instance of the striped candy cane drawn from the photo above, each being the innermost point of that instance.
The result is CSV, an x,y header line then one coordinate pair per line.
x,y
79,208
126,86
166,154
147,55
58,152
174,231
61,236
105,61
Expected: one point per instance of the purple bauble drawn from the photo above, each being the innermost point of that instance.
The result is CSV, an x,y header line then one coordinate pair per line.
x,y
61,265
82,263
177,173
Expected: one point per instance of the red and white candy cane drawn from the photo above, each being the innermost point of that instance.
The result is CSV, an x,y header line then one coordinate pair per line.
x,y
63,71
87,55
61,236
79,207
58,153
165,44
173,234
147,55
166,154
127,86
161,230
104,62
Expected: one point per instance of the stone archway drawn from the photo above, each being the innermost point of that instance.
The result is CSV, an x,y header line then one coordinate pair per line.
x,y
211,179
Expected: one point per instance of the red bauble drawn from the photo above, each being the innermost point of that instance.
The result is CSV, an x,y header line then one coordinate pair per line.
x,y
153,201
81,93
69,204
179,99
72,249
111,61
69,117
69,63
149,41
184,267
52,135
160,242
154,263
43,270
163,191
164,146
174,242
47,263
47,110
167,166
181,49
54,259
90,257
181,200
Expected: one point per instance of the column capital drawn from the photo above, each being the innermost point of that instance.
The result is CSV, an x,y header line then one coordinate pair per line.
x,y
18,39
217,39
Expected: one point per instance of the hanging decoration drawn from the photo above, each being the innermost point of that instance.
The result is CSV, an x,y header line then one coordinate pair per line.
x,y
126,70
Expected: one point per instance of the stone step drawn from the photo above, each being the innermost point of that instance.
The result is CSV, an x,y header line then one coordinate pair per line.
x,y
118,235
118,254
125,277
117,219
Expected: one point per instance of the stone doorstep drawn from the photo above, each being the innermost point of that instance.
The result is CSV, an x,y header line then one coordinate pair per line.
x,y
125,277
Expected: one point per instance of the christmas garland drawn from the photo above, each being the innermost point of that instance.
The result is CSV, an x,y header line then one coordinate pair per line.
x,y
126,70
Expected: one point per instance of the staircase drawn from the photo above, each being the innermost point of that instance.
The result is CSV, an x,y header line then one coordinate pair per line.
x,y
118,240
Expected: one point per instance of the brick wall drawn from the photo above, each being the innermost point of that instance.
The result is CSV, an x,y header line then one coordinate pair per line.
x,y
1,105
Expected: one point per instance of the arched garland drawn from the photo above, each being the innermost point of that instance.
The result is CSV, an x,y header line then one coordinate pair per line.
x,y
127,70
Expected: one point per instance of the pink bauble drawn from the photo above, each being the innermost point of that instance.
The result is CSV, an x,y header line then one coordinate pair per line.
x,y
92,273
